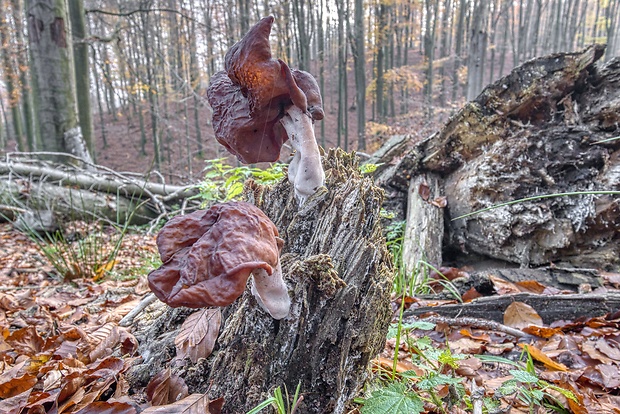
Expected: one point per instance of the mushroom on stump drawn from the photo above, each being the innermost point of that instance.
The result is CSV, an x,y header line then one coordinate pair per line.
x,y
208,256
259,103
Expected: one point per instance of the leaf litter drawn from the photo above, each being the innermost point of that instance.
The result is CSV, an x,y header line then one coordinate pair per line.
x,y
62,350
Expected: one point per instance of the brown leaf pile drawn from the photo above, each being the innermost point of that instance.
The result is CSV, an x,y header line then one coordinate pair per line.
x,y
61,349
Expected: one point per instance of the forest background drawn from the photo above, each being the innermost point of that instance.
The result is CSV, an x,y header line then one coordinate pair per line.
x,y
385,67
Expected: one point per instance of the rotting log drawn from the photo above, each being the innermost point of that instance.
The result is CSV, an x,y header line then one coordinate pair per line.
x,y
550,308
31,184
340,278
546,128
423,236
69,203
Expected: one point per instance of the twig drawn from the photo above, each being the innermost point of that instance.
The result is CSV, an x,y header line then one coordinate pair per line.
x,y
144,303
477,394
474,322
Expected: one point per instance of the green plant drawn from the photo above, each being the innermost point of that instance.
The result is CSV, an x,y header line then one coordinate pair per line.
x,y
280,403
223,182
369,168
526,386
407,391
88,253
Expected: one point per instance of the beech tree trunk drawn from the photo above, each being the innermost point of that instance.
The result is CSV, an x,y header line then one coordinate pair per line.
x,y
52,64
340,277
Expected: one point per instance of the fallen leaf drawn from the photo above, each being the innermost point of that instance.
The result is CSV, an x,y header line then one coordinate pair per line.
x,y
387,365
440,202
470,295
612,352
198,334
504,287
540,356
104,407
541,331
26,341
520,315
424,191
193,404
165,388
532,286
606,376
15,404
466,346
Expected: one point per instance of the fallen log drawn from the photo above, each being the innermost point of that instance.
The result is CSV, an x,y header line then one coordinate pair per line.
x,y
72,192
69,203
340,278
550,308
550,127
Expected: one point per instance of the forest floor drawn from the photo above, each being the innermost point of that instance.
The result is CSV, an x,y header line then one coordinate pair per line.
x,y
62,349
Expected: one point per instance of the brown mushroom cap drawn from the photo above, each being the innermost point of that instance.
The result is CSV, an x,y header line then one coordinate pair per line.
x,y
252,95
212,269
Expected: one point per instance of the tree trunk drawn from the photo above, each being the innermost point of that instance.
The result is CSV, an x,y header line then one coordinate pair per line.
x,y
359,61
336,265
11,76
82,79
24,68
52,59
460,34
477,49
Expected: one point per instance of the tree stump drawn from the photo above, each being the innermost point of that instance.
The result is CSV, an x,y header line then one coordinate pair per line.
x,y
340,277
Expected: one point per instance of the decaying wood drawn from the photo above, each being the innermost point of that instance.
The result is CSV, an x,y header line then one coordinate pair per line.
x,y
340,277
540,130
41,198
423,236
93,191
550,308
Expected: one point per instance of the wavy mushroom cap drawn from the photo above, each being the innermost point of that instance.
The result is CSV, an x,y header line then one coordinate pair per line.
x,y
253,93
211,254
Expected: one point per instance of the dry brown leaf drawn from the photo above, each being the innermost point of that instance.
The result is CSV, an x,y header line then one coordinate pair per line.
x,y
541,331
198,334
104,407
166,388
26,341
469,367
605,376
193,404
440,202
103,341
532,286
387,364
470,295
15,404
519,315
424,191
504,287
604,346
590,349
466,346
480,337
540,356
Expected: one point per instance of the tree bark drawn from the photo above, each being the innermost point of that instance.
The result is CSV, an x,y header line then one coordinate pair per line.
x,y
82,78
545,129
52,59
336,265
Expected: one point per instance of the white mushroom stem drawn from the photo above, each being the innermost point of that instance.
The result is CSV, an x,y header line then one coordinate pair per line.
x,y
271,292
305,171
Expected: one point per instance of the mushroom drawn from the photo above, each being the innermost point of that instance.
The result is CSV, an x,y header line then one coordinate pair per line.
x,y
259,103
209,255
